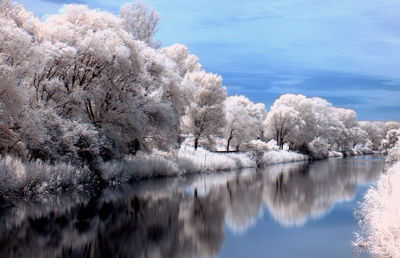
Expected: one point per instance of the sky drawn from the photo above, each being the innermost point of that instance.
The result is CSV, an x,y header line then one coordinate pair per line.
x,y
347,52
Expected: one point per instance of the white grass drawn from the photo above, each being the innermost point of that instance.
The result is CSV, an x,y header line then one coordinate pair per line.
x,y
202,160
26,178
142,165
282,156
380,217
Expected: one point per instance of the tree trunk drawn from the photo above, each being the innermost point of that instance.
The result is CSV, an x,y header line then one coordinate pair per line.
x,y
237,147
228,143
281,143
196,143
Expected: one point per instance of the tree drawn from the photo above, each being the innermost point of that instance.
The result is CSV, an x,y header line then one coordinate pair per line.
x,y
205,115
374,129
282,121
243,120
392,137
185,62
12,107
101,75
141,23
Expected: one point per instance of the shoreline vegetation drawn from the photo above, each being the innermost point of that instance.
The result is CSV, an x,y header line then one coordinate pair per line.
x,y
88,97
378,215
21,179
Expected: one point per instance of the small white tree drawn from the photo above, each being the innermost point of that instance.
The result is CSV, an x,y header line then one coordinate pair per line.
x,y
392,137
205,115
374,129
282,122
242,120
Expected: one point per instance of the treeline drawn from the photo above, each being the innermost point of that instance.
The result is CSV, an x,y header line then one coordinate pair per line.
x,y
86,86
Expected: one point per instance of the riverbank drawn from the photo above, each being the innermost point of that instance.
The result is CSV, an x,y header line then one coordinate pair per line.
x,y
379,213
24,178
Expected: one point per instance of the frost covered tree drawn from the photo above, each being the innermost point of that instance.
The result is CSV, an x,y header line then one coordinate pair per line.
x,y
281,122
102,75
84,65
140,22
185,62
392,136
12,116
374,129
243,120
299,121
205,115
86,84
389,125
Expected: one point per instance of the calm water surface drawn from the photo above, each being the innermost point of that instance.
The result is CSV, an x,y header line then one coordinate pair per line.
x,y
288,210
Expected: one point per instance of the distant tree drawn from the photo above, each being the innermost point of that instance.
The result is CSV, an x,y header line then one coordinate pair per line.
x,y
358,136
185,62
141,22
374,129
205,115
243,120
389,125
259,113
282,122
392,137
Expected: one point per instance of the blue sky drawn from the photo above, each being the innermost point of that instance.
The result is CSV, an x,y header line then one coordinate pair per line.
x,y
345,51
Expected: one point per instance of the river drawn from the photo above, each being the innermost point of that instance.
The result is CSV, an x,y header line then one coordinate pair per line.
x,y
288,210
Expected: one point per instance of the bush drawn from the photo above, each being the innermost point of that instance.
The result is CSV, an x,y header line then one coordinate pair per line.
x,y
379,217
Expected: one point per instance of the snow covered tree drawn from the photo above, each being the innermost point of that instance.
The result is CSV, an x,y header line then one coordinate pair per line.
x,y
392,137
243,120
298,121
358,136
258,112
185,62
374,129
281,122
12,104
205,115
141,22
101,75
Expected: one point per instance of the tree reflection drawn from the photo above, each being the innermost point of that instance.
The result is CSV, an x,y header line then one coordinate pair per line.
x,y
163,219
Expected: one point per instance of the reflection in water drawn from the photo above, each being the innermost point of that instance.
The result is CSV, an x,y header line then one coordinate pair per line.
x,y
164,218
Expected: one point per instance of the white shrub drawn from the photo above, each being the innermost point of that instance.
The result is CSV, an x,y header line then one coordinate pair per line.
x,y
282,156
380,217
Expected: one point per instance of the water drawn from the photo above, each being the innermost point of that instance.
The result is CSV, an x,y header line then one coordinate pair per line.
x,y
289,210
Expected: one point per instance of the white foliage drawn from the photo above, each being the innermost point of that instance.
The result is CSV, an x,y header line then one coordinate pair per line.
x,y
243,121
185,62
32,178
379,214
140,22
319,148
282,156
394,153
205,115
139,166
